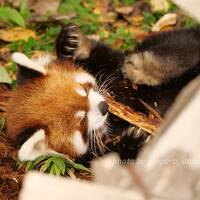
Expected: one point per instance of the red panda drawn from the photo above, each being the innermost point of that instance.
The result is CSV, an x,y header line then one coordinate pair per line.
x,y
56,108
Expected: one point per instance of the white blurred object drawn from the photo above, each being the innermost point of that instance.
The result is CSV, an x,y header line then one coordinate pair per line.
x,y
39,186
192,7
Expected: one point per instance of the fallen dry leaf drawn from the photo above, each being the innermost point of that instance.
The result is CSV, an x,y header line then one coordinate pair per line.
x,y
13,3
104,9
167,28
16,33
4,50
159,5
136,20
4,55
42,7
118,43
168,19
103,6
124,10
138,34
140,7
107,18
119,24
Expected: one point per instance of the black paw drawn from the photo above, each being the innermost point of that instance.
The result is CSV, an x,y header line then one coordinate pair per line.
x,y
133,139
68,41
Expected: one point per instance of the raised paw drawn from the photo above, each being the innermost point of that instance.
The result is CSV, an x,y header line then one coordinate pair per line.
x,y
72,44
68,41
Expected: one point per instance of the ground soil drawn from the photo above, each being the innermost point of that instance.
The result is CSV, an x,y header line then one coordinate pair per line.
x,y
10,176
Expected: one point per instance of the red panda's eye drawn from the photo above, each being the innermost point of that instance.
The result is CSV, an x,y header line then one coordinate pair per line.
x,y
87,87
85,135
87,91
83,121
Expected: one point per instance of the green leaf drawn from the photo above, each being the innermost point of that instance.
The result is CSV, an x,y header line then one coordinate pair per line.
x,y
146,27
57,170
111,38
29,165
52,170
13,84
45,166
188,22
4,77
39,159
24,9
11,15
129,2
149,18
14,46
60,163
85,18
12,67
20,164
77,166
172,6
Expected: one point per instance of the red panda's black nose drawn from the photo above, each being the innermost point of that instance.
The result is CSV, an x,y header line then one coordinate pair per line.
x,y
103,107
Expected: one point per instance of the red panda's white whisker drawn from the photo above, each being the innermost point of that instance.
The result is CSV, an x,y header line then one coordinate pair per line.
x,y
98,141
107,81
90,141
95,141
108,128
101,144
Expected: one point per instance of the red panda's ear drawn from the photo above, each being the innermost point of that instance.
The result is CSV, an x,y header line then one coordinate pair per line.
x,y
30,68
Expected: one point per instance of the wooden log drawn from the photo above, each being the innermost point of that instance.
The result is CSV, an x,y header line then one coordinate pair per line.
x,y
135,118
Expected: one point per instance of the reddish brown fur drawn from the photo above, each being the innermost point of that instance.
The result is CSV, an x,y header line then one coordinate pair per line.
x,y
49,101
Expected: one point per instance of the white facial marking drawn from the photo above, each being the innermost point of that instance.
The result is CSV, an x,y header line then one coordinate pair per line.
x,y
80,114
84,78
95,118
78,142
24,61
81,92
34,147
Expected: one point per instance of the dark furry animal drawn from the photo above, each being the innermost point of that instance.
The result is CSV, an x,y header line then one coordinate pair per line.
x,y
157,60
162,65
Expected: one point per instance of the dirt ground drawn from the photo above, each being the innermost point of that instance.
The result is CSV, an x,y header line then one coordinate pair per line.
x,y
10,176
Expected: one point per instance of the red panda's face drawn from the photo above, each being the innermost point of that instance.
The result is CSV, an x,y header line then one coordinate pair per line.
x,y
62,107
